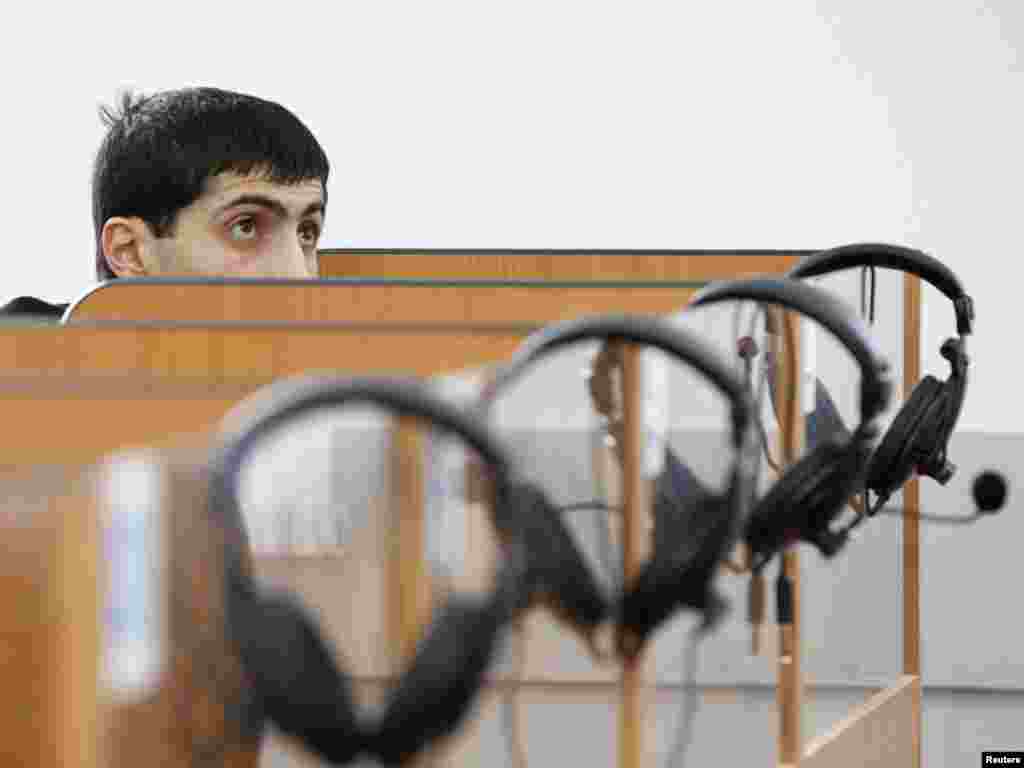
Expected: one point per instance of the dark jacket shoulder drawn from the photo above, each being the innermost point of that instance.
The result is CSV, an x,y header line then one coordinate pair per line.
x,y
30,306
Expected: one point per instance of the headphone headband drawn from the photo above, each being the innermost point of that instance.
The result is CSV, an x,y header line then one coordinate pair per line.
x,y
306,695
294,397
834,314
911,260
635,329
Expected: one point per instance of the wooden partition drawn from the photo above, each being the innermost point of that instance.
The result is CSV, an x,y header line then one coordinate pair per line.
x,y
49,607
369,302
391,326
442,286
60,529
551,265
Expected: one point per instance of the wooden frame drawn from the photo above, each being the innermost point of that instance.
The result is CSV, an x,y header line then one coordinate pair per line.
x,y
383,303
596,278
790,685
590,265
370,303
911,520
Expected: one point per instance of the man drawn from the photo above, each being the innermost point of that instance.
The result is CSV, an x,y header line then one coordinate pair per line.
x,y
202,181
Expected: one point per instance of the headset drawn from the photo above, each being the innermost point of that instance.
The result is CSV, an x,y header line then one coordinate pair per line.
x,y
696,535
299,686
808,495
918,438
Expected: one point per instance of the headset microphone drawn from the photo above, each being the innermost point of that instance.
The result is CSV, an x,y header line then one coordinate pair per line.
x,y
989,491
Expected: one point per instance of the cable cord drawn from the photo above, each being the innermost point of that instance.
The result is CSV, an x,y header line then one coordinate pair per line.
x,y
593,504
943,519
792,410
688,712
510,722
758,398
878,508
761,378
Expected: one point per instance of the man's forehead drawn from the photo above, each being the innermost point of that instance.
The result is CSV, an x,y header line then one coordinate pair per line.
x,y
223,187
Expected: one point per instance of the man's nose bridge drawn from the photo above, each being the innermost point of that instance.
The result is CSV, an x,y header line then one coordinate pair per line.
x,y
290,258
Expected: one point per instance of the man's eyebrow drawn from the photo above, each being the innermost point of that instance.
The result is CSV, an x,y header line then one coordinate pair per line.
x,y
268,202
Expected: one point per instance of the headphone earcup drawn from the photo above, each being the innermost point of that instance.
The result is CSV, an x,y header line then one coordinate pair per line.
x,y
802,502
679,498
301,688
824,423
894,460
436,692
555,571
679,574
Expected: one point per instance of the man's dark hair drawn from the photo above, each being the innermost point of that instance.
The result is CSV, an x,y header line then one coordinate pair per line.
x,y
160,150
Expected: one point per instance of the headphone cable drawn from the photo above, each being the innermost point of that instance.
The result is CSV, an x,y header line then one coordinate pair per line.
x,y
511,724
691,700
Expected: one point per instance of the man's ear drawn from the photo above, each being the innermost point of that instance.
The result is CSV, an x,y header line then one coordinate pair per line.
x,y
126,247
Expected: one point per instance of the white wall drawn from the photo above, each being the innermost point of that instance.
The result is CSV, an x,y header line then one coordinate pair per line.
x,y
530,124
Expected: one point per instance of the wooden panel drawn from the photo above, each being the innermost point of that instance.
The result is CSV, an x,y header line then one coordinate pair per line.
x,y
52,578
90,429
260,353
551,265
49,638
93,417
877,734
305,301
198,714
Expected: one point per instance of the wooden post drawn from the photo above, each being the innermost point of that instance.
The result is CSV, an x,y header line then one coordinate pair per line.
x,y
911,506
410,606
410,593
606,448
789,691
635,550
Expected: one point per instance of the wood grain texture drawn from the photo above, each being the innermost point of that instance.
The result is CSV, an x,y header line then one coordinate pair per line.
x,y
876,734
789,693
912,505
248,352
373,304
550,265
204,711
334,300
52,587
634,746
51,711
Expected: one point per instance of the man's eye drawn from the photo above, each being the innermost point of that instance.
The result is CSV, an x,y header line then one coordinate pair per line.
x,y
311,233
244,229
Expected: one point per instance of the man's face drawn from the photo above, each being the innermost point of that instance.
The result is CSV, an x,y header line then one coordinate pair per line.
x,y
241,226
